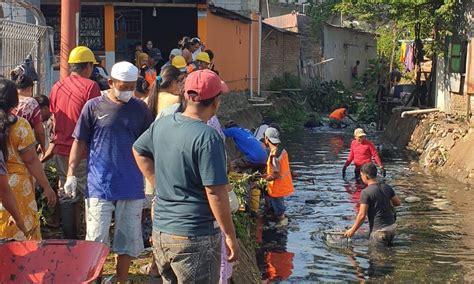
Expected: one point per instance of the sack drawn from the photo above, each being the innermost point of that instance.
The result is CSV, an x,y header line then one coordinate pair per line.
x,y
234,202
27,68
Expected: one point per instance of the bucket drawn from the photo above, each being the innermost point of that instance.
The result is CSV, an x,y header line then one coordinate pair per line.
x,y
255,199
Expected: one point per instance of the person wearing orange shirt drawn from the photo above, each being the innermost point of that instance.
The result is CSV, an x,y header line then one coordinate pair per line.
x,y
279,175
338,116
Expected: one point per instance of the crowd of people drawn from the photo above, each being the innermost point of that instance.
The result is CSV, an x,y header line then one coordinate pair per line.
x,y
150,144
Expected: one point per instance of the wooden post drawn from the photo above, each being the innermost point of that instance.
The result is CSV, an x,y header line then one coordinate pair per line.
x,y
470,76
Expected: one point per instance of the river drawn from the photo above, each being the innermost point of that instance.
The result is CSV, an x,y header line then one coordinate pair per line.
x,y
434,235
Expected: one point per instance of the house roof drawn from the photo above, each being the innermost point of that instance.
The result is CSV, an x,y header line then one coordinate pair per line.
x,y
351,29
287,22
265,25
229,14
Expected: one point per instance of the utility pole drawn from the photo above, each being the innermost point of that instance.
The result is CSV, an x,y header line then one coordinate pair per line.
x,y
70,11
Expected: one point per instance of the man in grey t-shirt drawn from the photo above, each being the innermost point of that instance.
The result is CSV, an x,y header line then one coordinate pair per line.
x,y
184,159
376,201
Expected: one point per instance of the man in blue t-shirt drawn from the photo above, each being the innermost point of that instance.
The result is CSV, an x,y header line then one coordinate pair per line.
x,y
184,159
254,155
108,126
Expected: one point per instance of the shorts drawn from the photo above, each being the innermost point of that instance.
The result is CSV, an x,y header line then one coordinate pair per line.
x,y
278,205
128,224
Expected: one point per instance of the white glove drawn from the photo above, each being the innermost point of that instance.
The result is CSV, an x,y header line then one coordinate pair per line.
x,y
234,202
70,187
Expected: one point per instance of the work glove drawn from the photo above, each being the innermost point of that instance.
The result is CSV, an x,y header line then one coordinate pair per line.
x,y
234,202
344,172
384,172
70,187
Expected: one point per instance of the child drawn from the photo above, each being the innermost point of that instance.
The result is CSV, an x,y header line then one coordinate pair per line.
x,y
279,176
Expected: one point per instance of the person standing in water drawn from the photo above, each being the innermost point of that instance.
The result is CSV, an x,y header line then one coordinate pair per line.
x,y
377,201
279,175
362,152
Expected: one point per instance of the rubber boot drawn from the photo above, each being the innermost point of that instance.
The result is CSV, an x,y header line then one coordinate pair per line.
x,y
68,220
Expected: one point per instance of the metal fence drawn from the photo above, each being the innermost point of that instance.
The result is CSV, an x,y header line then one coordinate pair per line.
x,y
17,41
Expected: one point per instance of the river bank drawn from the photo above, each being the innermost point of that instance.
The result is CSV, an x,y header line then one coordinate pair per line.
x,y
442,143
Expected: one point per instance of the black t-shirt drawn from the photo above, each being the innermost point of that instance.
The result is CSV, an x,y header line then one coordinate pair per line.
x,y
380,212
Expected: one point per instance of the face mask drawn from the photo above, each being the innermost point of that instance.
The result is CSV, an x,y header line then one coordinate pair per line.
x,y
123,96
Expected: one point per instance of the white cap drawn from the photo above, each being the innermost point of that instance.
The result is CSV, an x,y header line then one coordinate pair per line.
x,y
359,132
176,52
273,135
124,71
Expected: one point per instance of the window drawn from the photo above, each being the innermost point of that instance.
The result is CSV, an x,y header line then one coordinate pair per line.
x,y
457,57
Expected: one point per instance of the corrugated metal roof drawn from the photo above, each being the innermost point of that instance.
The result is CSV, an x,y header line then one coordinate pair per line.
x,y
286,22
229,14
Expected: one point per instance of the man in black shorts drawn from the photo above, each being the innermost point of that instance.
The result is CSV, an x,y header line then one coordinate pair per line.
x,y
377,201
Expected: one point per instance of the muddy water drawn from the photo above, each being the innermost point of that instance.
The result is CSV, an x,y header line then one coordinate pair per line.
x,y
434,242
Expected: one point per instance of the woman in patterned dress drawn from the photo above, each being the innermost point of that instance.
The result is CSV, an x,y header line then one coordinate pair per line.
x,y
22,165
28,107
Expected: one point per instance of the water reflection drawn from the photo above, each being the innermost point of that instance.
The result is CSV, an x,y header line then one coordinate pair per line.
x,y
431,243
276,261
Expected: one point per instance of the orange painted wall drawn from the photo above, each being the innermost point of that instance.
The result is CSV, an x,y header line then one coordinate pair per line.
x,y
230,42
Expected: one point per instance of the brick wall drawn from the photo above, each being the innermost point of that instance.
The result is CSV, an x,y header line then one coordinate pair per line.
x,y
280,54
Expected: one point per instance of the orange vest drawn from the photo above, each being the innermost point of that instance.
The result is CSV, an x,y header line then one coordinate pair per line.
x,y
283,185
338,114
150,76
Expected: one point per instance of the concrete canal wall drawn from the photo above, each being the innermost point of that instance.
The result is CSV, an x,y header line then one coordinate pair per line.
x,y
443,143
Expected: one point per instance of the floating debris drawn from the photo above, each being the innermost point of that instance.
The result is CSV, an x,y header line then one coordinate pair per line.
x,y
412,199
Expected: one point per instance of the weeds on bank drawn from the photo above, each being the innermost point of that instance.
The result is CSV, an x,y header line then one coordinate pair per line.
x,y
317,97
244,219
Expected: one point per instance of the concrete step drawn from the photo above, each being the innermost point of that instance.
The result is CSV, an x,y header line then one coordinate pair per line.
x,y
263,105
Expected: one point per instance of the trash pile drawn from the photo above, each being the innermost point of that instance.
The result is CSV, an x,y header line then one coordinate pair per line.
x,y
435,136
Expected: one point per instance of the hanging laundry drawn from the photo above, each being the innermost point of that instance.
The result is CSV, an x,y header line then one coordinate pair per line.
x,y
403,52
409,63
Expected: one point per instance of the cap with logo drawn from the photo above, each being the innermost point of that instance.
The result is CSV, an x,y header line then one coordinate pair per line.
x,y
124,71
203,85
273,135
155,53
359,132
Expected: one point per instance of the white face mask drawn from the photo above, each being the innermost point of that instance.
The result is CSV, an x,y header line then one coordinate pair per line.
x,y
123,96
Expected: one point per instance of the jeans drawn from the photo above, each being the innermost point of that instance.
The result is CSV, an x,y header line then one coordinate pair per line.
x,y
278,205
183,259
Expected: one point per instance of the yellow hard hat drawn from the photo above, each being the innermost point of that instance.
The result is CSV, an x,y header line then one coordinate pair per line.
x,y
204,57
179,62
81,54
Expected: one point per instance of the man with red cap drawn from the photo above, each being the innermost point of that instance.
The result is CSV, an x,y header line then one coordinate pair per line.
x,y
184,159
